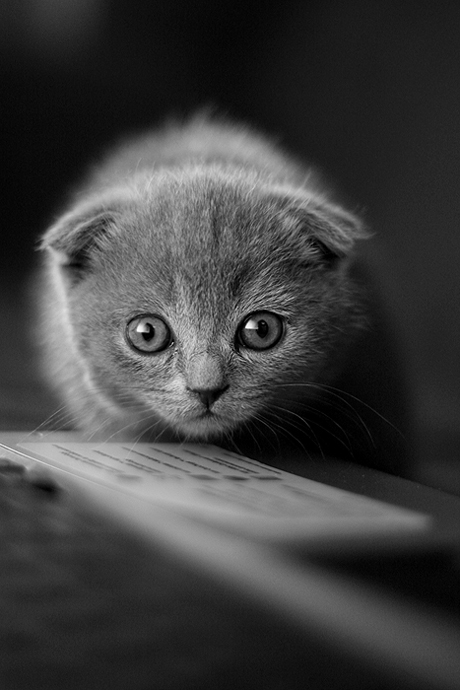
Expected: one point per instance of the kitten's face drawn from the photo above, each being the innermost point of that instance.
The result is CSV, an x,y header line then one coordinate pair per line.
x,y
202,301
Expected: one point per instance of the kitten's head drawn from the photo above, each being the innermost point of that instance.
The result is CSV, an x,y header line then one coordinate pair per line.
x,y
195,296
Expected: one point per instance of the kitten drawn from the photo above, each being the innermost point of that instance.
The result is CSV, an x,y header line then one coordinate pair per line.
x,y
203,285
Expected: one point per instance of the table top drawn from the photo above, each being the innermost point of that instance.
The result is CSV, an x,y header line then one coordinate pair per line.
x,y
86,590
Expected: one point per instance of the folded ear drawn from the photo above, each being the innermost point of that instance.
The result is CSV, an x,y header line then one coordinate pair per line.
x,y
79,233
336,229
326,225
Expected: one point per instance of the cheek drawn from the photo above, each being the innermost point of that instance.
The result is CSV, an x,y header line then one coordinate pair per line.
x,y
259,368
167,395
114,364
250,383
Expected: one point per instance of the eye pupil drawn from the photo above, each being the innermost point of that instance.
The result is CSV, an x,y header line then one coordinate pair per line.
x,y
146,330
262,330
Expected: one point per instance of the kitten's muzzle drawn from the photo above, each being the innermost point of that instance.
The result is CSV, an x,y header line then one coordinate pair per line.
x,y
205,377
208,396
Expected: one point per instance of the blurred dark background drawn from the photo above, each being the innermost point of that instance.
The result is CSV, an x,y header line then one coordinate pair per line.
x,y
369,90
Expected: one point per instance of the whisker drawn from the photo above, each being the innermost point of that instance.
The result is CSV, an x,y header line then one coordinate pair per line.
x,y
319,412
133,423
163,431
339,393
347,409
345,442
286,432
228,438
259,418
304,428
58,420
99,429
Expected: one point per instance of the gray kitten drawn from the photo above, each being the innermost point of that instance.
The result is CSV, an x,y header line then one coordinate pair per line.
x,y
203,286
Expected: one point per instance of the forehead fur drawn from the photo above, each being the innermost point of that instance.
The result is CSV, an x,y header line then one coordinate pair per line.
x,y
202,231
208,224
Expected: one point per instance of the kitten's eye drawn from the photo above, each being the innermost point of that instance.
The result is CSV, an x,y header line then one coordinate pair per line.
x,y
148,333
261,330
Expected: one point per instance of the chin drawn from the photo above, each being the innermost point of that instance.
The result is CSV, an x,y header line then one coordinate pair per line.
x,y
205,429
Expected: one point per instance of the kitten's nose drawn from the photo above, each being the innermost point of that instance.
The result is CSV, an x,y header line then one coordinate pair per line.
x,y
208,396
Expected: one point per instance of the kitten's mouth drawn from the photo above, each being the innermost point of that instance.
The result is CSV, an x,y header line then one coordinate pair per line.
x,y
206,425
210,419
207,414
